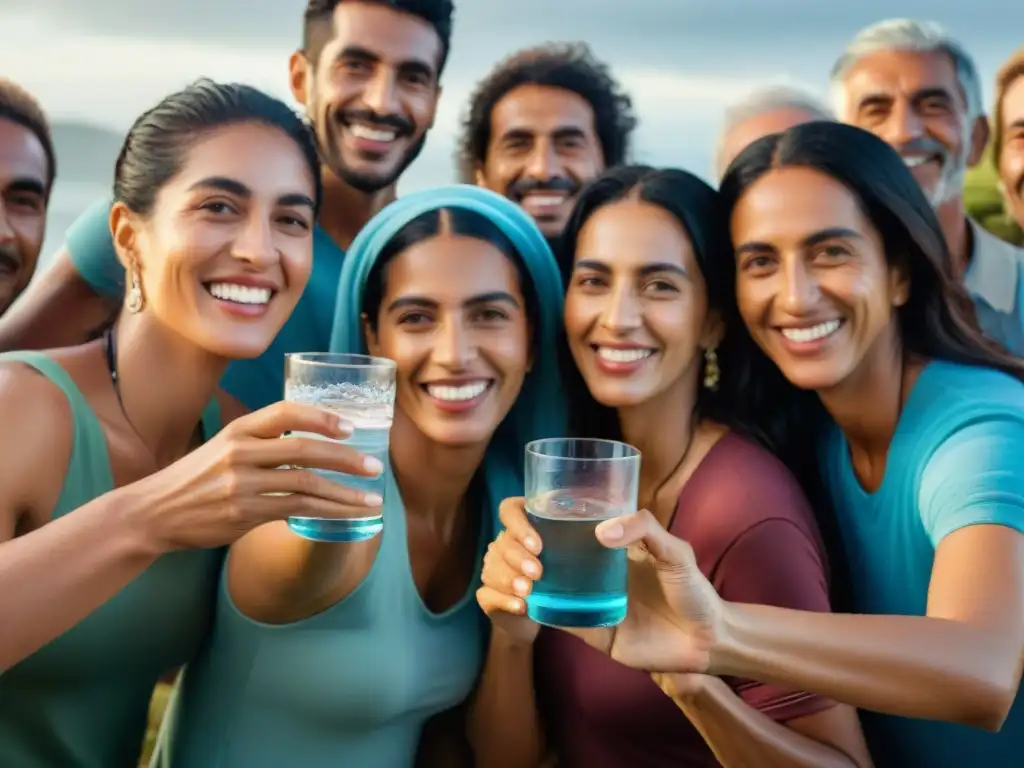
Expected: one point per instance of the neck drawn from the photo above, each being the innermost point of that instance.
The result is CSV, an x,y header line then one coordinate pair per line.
x,y
433,479
643,427
867,405
953,218
346,210
165,383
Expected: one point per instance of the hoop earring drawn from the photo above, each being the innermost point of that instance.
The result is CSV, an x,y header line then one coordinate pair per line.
x,y
134,302
712,374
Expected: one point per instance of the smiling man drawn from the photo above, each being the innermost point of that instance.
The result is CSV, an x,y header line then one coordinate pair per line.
x,y
913,86
27,169
368,75
1008,134
540,125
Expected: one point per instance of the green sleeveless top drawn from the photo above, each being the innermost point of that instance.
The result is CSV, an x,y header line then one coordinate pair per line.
x,y
351,686
82,700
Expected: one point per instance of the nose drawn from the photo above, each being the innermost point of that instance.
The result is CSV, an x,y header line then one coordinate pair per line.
x,y
904,125
542,162
801,288
380,94
255,242
623,312
455,347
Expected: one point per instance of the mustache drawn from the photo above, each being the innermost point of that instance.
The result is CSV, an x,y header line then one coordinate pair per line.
x,y
398,124
9,260
520,188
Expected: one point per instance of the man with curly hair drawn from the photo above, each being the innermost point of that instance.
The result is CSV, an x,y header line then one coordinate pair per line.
x,y
27,168
541,124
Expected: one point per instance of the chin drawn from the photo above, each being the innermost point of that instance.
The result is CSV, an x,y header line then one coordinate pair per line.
x,y
619,398
816,378
467,436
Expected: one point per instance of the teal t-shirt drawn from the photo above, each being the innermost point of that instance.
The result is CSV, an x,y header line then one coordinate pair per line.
x,y
257,382
956,460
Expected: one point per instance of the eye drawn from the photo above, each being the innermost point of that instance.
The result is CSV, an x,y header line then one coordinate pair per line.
x,y
29,202
589,281
758,263
218,207
418,79
832,253
293,221
490,315
660,286
414,318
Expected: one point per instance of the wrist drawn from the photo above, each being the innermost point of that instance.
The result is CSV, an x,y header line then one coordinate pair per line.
x,y
135,520
505,641
726,658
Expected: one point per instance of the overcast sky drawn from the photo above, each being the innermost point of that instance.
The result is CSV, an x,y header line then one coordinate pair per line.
x,y
683,60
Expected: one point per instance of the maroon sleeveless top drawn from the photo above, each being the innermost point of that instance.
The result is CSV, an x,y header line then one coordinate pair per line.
x,y
755,539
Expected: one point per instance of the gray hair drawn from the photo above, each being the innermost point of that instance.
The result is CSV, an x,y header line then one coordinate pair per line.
x,y
761,101
915,36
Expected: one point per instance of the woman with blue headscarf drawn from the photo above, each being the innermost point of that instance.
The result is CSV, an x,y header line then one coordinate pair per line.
x,y
339,653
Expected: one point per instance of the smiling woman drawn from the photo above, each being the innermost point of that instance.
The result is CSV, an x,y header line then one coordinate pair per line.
x,y
369,649
216,191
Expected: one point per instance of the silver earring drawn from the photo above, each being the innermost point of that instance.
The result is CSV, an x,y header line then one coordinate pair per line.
x,y
135,294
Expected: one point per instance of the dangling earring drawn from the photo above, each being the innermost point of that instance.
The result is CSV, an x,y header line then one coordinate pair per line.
x,y
135,294
711,372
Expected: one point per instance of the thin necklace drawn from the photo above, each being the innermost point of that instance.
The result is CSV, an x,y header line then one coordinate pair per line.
x,y
669,476
112,368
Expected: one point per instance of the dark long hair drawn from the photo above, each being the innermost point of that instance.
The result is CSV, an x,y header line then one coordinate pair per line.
x,y
938,321
697,209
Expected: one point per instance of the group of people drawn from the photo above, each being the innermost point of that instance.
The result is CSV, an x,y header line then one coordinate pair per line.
x,y
818,361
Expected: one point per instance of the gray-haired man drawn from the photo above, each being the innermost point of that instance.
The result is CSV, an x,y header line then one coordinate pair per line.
x,y
760,113
912,85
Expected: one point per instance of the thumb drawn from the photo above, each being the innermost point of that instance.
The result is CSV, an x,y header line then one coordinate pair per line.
x,y
642,528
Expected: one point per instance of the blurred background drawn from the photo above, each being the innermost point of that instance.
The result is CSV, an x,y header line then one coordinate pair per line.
x,y
96,65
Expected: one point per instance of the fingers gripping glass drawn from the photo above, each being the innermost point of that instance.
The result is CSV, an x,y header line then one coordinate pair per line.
x,y
571,486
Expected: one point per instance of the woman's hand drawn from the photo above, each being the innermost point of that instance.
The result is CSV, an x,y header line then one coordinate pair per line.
x,y
233,483
509,570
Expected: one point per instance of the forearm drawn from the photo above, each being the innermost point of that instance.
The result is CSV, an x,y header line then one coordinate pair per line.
x,y
57,575
504,724
913,666
742,737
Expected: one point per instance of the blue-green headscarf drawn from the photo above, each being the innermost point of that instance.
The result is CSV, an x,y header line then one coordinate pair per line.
x,y
540,410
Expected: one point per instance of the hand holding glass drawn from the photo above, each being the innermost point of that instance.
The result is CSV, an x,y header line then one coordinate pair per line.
x,y
571,486
360,389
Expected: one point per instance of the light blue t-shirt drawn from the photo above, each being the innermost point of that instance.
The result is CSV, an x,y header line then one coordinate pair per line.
x,y
257,382
956,459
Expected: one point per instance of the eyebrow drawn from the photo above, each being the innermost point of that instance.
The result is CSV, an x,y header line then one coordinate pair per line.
x,y
492,297
409,66
559,134
239,189
28,184
644,271
821,236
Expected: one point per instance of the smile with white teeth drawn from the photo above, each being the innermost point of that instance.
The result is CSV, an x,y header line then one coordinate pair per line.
x,y
815,332
613,355
457,394
372,134
915,161
240,294
547,199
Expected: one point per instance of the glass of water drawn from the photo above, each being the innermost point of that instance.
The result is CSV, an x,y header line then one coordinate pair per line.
x,y
360,389
572,484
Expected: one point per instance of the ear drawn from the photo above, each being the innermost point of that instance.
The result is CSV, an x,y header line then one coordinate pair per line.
x,y
372,340
899,284
300,72
979,137
713,331
125,231
478,177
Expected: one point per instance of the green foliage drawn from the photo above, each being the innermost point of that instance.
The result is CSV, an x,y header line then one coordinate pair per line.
x,y
984,202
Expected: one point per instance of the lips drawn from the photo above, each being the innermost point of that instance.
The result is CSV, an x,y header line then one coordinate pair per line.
x,y
811,333
240,294
615,355
457,393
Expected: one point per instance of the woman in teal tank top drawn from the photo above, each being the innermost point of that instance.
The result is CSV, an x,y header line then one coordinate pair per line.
x,y
327,654
109,532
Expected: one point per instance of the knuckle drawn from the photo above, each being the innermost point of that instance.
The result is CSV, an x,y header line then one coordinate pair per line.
x,y
306,482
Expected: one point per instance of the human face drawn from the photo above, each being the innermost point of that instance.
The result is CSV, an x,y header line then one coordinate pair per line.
x,y
543,148
453,319
636,312
812,281
914,102
372,94
742,135
227,249
1011,154
24,174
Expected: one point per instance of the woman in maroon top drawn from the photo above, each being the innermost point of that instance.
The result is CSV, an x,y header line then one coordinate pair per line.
x,y
650,353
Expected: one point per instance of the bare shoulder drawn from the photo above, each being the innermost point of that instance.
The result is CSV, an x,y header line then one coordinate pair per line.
x,y
36,439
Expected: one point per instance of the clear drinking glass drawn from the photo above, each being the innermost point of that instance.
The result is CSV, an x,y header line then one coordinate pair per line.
x,y
572,484
361,389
